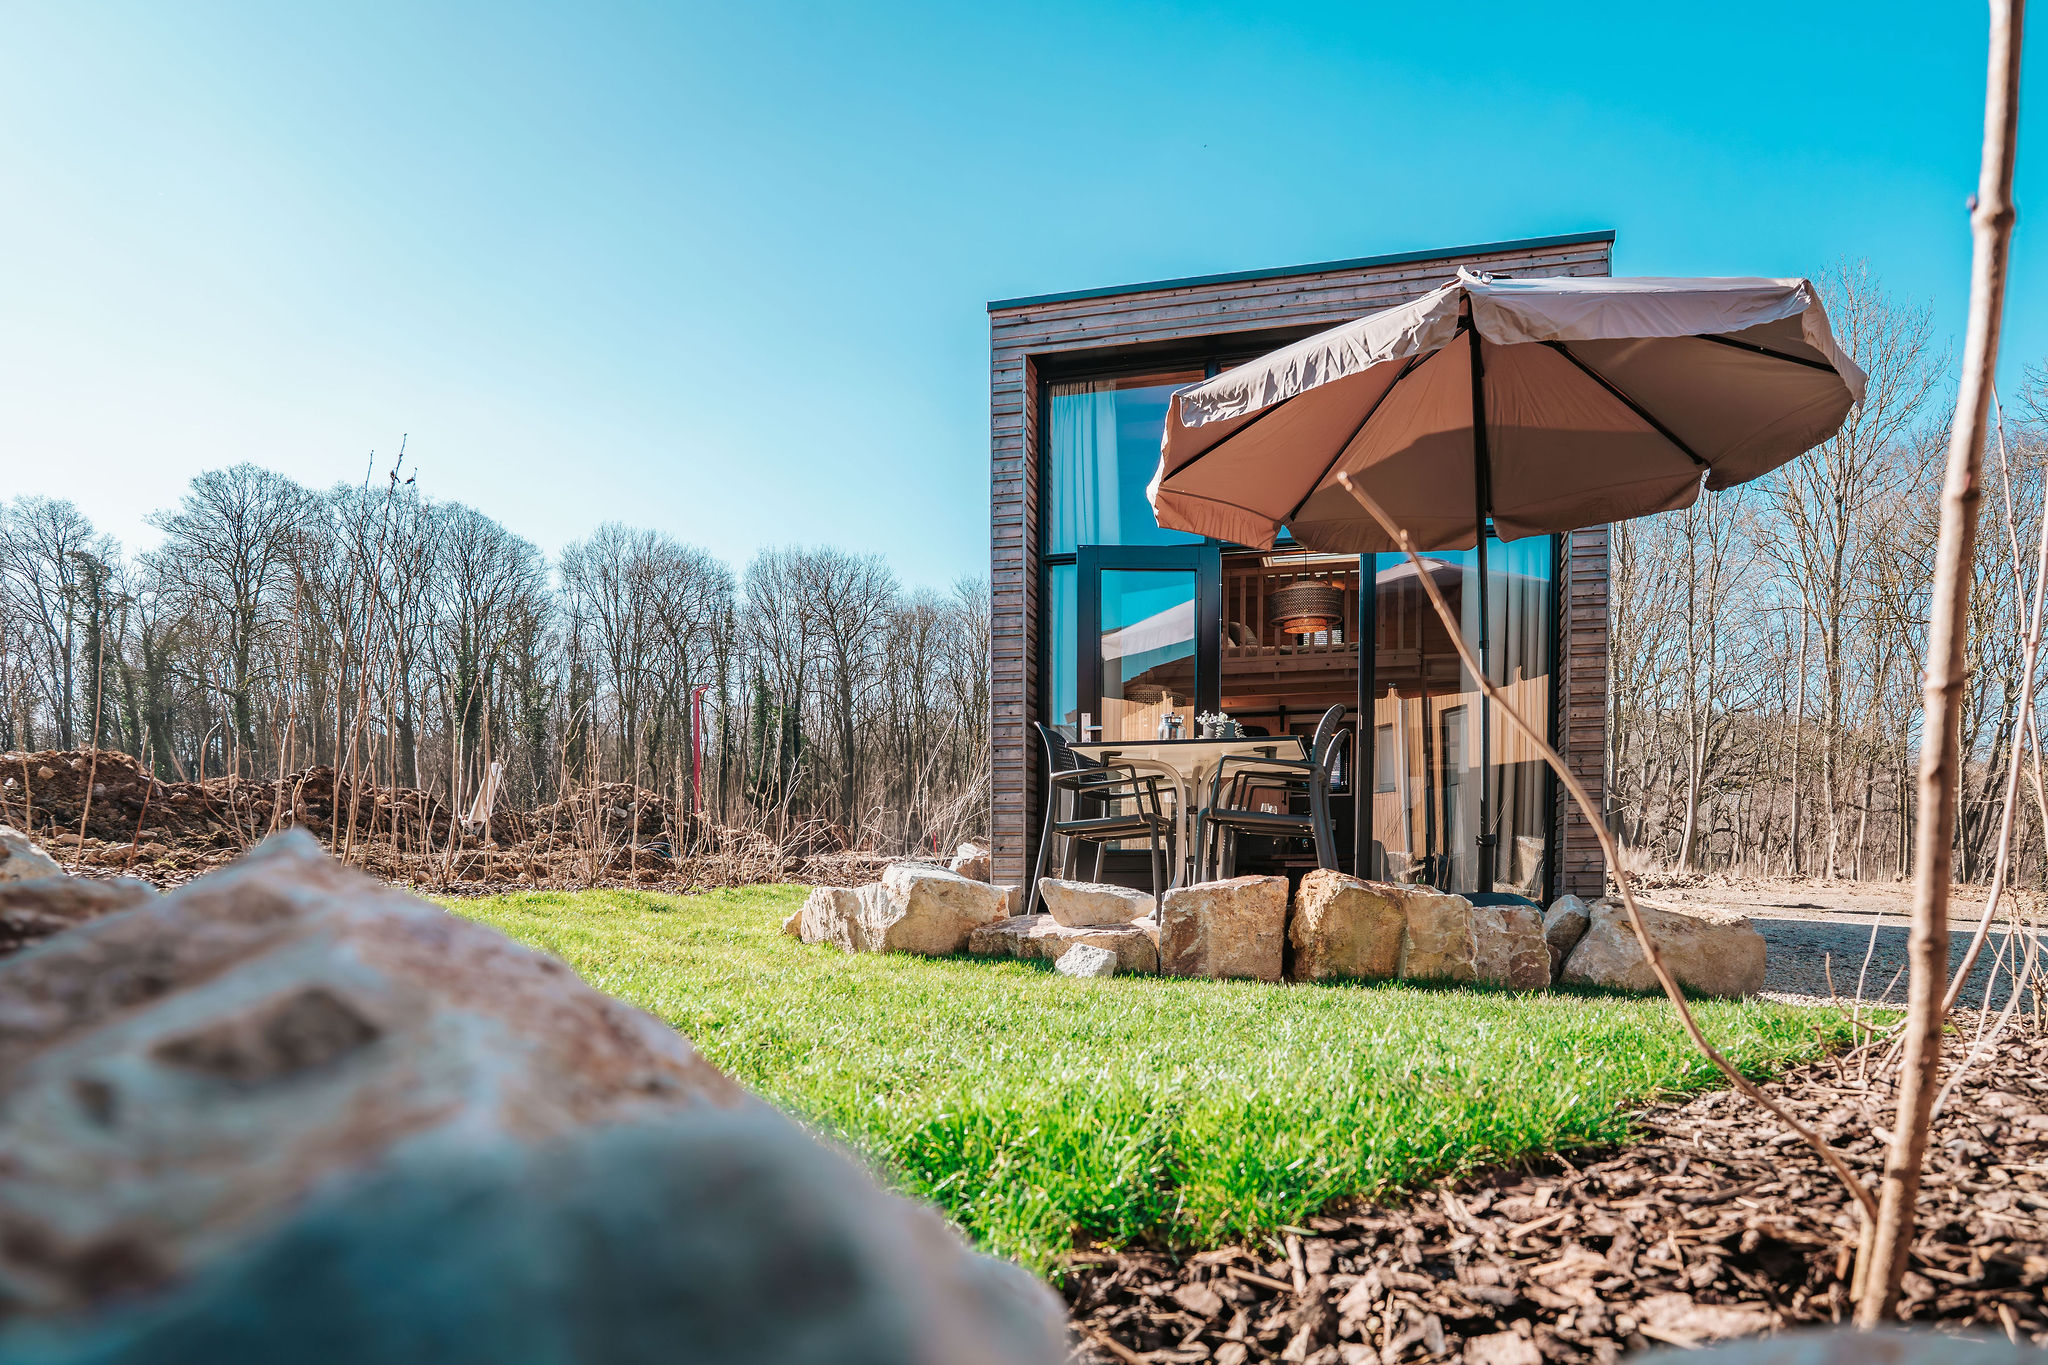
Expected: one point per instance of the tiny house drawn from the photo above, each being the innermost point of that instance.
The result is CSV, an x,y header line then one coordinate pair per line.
x,y
1111,628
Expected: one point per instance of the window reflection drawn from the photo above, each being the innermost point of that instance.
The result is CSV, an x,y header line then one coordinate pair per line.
x,y
1148,652
1060,637
1426,719
1102,449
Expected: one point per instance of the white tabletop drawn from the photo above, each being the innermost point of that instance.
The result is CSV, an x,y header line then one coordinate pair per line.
x,y
1191,756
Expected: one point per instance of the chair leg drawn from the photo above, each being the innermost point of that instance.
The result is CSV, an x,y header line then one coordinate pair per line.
x,y
1326,838
1038,865
1158,873
1101,847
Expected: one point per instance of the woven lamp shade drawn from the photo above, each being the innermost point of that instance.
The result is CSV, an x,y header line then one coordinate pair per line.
x,y
1305,608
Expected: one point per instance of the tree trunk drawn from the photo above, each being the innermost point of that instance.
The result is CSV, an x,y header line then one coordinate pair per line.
x,y
1941,723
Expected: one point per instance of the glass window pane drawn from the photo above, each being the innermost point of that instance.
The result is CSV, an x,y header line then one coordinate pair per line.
x,y
1101,450
1427,719
1148,652
1520,592
1061,710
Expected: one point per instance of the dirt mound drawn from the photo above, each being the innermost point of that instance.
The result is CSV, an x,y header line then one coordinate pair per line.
x,y
100,812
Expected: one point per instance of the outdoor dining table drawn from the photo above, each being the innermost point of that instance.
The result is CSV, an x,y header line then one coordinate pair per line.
x,y
1188,763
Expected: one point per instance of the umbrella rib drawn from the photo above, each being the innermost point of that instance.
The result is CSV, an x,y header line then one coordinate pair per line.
x,y
1385,394
1629,403
1755,349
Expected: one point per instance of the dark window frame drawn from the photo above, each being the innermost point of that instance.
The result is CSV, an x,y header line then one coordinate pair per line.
x,y
1216,354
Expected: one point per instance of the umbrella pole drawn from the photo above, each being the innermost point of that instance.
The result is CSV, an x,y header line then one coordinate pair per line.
x,y
1482,488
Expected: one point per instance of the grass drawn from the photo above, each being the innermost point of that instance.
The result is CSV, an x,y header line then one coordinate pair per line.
x,y
1038,1110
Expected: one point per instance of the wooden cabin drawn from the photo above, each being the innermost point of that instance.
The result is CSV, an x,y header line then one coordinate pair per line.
x,y
1104,623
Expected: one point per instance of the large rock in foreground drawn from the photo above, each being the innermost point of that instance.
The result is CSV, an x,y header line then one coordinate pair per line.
x,y
1715,954
1079,904
31,911
1695,1323
915,908
1509,946
288,1113
1346,927
1438,941
1041,937
21,860
1234,928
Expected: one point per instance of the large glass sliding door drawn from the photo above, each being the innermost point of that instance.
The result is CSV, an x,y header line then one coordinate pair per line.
x,y
1433,757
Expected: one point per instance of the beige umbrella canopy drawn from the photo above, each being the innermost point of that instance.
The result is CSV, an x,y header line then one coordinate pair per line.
x,y
1603,399
1541,405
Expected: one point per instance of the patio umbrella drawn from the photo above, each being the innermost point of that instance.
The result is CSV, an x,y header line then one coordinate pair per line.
x,y
1536,405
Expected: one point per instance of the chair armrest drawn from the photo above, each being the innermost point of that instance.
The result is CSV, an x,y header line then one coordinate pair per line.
x,y
1107,781
1261,761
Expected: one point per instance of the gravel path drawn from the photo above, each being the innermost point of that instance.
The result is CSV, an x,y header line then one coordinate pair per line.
x,y
1801,953
1814,928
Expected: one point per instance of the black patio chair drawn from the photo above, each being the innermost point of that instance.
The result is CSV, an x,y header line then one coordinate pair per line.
x,y
1227,814
1085,784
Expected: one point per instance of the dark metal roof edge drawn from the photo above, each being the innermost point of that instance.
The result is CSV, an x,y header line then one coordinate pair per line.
x,y
1319,268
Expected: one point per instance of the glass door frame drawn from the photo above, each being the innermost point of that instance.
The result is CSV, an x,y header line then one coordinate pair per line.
x,y
1205,561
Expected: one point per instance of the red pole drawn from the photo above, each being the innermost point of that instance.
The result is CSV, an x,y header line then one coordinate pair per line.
x,y
697,747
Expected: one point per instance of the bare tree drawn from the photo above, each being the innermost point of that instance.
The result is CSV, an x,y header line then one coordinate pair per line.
x,y
1825,497
43,545
228,548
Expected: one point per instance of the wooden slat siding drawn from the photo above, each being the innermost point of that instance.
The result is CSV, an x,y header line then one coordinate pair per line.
x,y
1022,334
1582,709
1283,298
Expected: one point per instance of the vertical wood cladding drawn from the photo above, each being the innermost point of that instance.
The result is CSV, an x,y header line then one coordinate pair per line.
x,y
1027,334
1582,708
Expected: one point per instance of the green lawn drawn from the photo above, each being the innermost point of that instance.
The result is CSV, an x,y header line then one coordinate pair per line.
x,y
1035,1109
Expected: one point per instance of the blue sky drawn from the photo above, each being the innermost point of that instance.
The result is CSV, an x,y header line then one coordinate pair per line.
x,y
721,270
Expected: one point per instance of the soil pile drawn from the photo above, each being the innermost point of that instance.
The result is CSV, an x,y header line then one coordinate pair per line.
x,y
100,812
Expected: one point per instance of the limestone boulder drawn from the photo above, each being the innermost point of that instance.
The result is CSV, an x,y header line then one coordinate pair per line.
x,y
1438,942
1508,946
1233,928
289,1113
832,914
1042,938
1345,927
915,908
929,910
1079,904
31,911
1713,953
21,860
1564,924
1085,959
970,861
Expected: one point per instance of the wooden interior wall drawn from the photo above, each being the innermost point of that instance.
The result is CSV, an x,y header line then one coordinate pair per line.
x,y
1026,335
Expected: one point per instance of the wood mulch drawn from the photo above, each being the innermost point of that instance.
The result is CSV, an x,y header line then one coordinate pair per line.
x,y
1716,1223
